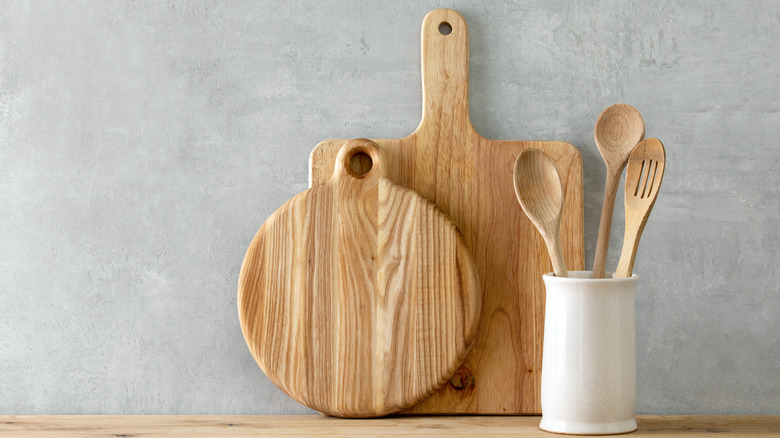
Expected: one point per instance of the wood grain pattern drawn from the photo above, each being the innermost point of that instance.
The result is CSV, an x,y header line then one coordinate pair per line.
x,y
470,178
643,181
234,426
358,297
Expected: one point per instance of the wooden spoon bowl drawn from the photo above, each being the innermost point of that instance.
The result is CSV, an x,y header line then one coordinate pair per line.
x,y
618,129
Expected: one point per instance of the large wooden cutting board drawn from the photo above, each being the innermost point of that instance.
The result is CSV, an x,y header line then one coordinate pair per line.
x,y
358,297
470,178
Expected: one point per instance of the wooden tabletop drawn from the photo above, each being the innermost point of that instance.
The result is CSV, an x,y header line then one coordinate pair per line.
x,y
316,425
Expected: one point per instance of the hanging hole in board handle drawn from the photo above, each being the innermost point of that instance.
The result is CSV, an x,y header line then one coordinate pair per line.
x,y
445,28
360,163
358,158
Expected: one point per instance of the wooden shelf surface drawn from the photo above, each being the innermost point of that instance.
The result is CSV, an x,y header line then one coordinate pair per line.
x,y
316,425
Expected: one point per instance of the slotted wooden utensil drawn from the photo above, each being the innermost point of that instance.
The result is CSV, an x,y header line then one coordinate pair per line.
x,y
470,178
358,297
643,181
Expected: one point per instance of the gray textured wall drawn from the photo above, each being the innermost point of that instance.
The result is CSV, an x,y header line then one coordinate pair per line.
x,y
142,143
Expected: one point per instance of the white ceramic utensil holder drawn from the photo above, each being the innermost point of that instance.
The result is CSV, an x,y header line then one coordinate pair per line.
x,y
589,358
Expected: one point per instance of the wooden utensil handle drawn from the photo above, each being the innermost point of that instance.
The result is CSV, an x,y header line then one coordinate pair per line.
x,y
627,256
605,226
556,256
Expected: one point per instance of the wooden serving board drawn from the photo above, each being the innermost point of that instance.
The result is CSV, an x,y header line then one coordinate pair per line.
x,y
470,178
358,297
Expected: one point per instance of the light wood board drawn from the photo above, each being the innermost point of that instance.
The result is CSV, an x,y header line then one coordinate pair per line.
x,y
233,426
470,178
358,297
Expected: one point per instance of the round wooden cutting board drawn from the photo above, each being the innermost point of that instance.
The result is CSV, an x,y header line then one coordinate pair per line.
x,y
358,297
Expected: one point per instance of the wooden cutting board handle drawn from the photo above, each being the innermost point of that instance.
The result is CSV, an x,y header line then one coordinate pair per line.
x,y
445,72
358,297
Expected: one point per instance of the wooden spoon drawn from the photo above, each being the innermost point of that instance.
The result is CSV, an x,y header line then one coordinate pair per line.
x,y
618,129
643,180
540,192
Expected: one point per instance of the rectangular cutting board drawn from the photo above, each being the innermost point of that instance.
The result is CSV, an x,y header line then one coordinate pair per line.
x,y
470,178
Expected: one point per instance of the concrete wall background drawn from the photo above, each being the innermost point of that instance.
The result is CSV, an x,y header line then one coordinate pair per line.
x,y
142,143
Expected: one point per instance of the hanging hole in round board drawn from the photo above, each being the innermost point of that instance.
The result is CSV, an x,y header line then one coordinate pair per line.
x,y
360,163
445,28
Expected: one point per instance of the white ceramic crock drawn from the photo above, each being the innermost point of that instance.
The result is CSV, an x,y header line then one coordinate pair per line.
x,y
589,359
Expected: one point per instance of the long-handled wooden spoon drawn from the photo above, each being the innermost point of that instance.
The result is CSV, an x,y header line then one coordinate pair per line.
x,y
540,192
643,179
618,129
